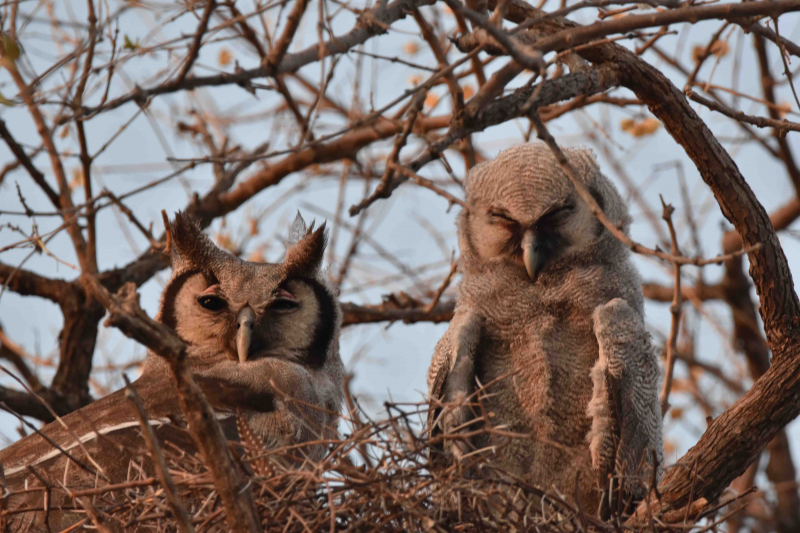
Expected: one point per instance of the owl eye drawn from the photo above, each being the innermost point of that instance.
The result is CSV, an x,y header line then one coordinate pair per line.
x,y
211,302
283,305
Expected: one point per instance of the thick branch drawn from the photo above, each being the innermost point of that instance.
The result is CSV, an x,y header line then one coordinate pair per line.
x,y
577,35
27,404
660,293
586,82
28,283
370,314
280,46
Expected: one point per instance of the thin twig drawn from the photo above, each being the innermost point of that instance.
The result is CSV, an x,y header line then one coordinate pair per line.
x,y
675,311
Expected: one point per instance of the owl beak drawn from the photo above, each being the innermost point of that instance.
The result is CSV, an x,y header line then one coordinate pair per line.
x,y
244,325
531,255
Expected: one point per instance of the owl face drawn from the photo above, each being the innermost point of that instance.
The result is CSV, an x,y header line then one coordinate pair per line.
x,y
525,212
532,242
226,308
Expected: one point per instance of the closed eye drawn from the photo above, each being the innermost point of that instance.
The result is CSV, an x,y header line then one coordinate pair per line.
x,y
557,215
501,217
283,305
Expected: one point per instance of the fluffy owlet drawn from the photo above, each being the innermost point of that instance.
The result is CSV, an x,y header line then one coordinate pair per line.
x,y
550,321
263,345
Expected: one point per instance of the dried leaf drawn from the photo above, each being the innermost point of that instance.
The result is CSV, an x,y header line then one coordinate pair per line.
x,y
640,128
226,242
719,49
469,91
257,257
431,100
10,48
669,448
416,79
411,48
225,57
77,179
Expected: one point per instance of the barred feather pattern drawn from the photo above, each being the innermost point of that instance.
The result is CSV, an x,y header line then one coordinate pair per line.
x,y
254,446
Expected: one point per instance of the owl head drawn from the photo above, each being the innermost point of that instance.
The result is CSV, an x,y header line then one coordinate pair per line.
x,y
525,213
226,308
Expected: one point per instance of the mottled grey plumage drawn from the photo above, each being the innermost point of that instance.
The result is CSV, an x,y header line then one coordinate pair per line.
x,y
263,344
549,319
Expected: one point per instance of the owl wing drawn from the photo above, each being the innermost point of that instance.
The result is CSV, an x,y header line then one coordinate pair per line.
x,y
451,377
625,413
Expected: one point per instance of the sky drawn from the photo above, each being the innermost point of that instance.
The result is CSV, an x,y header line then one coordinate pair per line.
x,y
389,361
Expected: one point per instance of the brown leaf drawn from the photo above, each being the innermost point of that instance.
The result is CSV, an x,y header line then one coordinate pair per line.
x,y
640,128
226,242
225,57
431,100
719,49
411,48
77,179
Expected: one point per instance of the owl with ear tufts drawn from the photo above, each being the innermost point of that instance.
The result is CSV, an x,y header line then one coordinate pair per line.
x,y
548,335
263,345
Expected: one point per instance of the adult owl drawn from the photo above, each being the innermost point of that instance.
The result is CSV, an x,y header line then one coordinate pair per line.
x,y
550,322
263,345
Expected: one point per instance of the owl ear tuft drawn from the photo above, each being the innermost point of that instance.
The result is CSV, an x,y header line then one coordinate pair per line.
x,y
305,256
189,247
296,230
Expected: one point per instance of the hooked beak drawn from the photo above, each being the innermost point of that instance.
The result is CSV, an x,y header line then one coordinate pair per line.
x,y
244,324
531,255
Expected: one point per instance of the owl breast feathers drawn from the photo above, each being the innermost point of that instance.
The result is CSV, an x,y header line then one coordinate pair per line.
x,y
263,345
548,334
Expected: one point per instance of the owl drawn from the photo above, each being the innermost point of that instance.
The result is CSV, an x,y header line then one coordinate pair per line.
x,y
548,339
263,345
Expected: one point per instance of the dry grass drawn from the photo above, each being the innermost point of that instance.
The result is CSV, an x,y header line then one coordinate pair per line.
x,y
377,478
